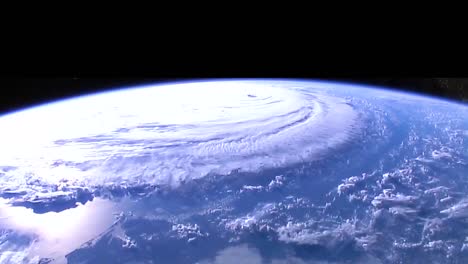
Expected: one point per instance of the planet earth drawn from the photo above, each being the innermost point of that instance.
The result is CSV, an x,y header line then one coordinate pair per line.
x,y
236,171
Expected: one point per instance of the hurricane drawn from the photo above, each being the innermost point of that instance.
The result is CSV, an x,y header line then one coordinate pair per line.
x,y
168,134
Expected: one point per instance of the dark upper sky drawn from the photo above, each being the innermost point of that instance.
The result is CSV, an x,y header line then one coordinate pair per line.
x,y
18,93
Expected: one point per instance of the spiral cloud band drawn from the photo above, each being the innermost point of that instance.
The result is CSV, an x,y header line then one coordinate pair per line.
x,y
166,134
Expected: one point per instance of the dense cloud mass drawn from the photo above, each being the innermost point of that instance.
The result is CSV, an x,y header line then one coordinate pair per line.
x,y
172,133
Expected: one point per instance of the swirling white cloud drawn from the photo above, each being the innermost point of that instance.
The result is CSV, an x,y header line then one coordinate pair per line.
x,y
165,134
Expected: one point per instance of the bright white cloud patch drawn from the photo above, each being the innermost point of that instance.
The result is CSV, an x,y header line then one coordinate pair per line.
x,y
166,134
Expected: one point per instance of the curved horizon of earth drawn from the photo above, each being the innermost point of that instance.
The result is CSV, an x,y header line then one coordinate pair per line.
x,y
222,171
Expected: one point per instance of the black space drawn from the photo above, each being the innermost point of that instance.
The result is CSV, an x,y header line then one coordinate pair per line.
x,y
21,92
40,71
